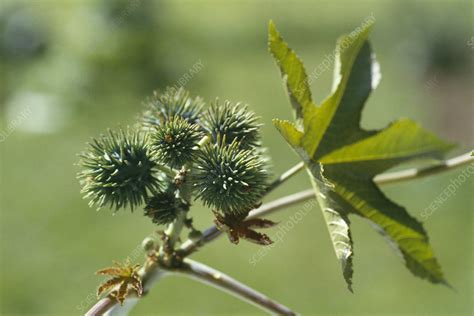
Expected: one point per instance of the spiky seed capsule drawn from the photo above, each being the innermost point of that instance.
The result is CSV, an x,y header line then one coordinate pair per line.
x,y
230,179
173,102
118,170
174,142
163,208
232,122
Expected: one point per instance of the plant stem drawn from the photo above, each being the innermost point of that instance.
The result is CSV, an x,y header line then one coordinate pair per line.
x,y
171,173
102,306
174,229
391,177
212,232
414,173
285,176
210,276
152,273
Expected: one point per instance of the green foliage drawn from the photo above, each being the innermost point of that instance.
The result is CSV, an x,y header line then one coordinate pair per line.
x,y
230,122
174,142
119,170
343,158
230,179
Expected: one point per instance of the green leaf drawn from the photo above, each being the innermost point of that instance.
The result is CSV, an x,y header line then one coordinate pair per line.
x,y
343,158
291,66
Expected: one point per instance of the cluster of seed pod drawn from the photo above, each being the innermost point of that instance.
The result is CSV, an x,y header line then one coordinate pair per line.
x,y
219,145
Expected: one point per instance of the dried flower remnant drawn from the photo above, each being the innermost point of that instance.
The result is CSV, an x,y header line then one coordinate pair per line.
x,y
124,276
237,227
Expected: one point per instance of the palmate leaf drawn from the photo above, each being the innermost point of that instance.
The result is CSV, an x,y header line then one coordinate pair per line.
x,y
343,159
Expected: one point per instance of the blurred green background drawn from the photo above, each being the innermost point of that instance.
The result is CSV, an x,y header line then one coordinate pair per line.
x,y
70,70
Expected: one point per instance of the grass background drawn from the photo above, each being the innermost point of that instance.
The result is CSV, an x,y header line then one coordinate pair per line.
x,y
81,67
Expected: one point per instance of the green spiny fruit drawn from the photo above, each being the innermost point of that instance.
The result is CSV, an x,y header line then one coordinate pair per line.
x,y
174,142
163,208
173,102
230,179
118,170
232,122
